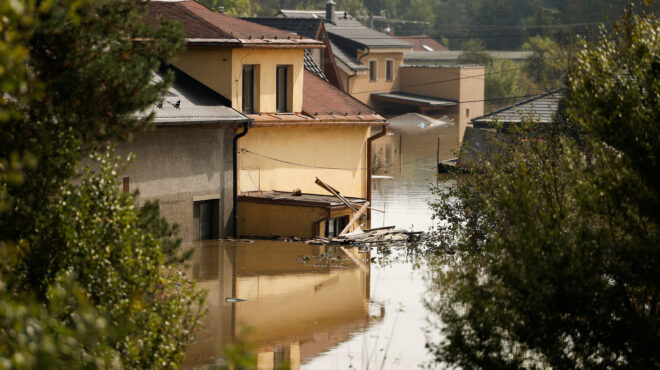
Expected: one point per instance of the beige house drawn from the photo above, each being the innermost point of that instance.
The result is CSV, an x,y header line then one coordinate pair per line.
x,y
372,68
302,127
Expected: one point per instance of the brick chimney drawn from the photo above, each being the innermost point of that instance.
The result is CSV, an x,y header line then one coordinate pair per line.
x,y
330,11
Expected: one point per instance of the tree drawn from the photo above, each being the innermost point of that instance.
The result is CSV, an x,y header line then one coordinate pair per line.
x,y
82,274
547,64
557,241
474,52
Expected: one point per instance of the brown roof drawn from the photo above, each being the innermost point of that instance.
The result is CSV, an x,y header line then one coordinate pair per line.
x,y
202,25
419,40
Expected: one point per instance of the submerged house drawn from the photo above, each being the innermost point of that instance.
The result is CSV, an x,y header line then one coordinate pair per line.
x,y
489,130
372,68
186,161
302,127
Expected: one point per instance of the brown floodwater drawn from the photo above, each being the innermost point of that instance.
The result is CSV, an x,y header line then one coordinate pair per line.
x,y
316,307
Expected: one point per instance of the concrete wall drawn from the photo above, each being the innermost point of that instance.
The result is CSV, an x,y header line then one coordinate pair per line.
x,y
336,155
181,165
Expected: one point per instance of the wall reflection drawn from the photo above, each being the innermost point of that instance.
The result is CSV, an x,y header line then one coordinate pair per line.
x,y
300,300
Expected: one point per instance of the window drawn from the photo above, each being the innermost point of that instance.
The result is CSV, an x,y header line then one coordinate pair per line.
x,y
373,70
335,225
389,70
283,88
248,88
205,215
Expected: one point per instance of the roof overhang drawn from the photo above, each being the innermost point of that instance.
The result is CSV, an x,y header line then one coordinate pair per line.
x,y
256,43
413,99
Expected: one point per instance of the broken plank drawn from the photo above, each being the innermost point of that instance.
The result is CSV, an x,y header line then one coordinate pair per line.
x,y
334,192
355,218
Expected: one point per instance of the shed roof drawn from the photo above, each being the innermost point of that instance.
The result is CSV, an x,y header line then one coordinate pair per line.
x,y
413,99
423,43
203,26
305,199
453,55
541,108
354,38
189,102
342,18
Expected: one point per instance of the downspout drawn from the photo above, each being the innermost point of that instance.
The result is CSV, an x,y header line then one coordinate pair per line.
x,y
246,124
369,140
348,79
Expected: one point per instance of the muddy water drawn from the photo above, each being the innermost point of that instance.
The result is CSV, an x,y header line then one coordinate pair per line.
x,y
313,307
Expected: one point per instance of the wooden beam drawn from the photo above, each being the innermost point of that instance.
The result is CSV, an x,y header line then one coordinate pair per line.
x,y
334,192
355,218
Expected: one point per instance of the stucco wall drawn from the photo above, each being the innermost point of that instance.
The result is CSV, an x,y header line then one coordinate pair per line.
x,y
336,155
361,87
212,67
181,165
267,60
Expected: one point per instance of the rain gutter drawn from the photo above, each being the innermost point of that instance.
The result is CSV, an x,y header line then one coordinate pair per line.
x,y
246,125
369,141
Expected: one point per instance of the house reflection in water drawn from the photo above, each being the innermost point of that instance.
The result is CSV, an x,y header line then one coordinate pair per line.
x,y
293,310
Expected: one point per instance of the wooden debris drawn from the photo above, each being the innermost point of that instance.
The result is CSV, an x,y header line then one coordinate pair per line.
x,y
355,217
334,192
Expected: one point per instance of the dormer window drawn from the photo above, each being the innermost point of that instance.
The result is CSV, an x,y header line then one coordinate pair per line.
x,y
248,88
373,70
283,87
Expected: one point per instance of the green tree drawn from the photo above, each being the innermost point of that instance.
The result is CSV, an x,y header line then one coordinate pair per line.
x,y
83,281
474,52
557,241
505,83
547,64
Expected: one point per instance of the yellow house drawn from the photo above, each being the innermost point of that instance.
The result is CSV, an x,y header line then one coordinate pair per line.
x,y
303,127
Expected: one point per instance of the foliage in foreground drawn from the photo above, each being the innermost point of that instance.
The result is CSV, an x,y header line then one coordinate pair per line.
x,y
557,241
83,281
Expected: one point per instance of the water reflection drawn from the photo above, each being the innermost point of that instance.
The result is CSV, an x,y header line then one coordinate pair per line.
x,y
300,300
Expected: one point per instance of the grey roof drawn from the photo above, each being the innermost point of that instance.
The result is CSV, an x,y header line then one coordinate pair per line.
x,y
310,65
321,200
307,27
342,18
350,61
413,99
453,55
190,102
541,108
360,37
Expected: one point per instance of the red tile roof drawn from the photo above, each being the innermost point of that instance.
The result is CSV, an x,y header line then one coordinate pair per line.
x,y
320,98
419,40
203,25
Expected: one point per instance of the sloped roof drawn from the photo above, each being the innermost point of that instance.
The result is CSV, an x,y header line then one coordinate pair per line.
x,y
311,66
307,27
342,18
343,56
423,43
202,25
541,108
189,102
413,99
355,38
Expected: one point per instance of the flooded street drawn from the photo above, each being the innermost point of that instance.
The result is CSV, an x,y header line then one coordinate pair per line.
x,y
316,307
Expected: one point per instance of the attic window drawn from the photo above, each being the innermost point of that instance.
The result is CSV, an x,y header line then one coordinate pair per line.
x,y
427,48
373,70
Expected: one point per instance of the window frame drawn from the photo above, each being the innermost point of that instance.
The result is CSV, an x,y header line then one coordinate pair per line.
x,y
373,72
283,94
248,97
389,69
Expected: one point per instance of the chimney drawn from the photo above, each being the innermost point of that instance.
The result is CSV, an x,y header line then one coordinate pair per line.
x,y
330,11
